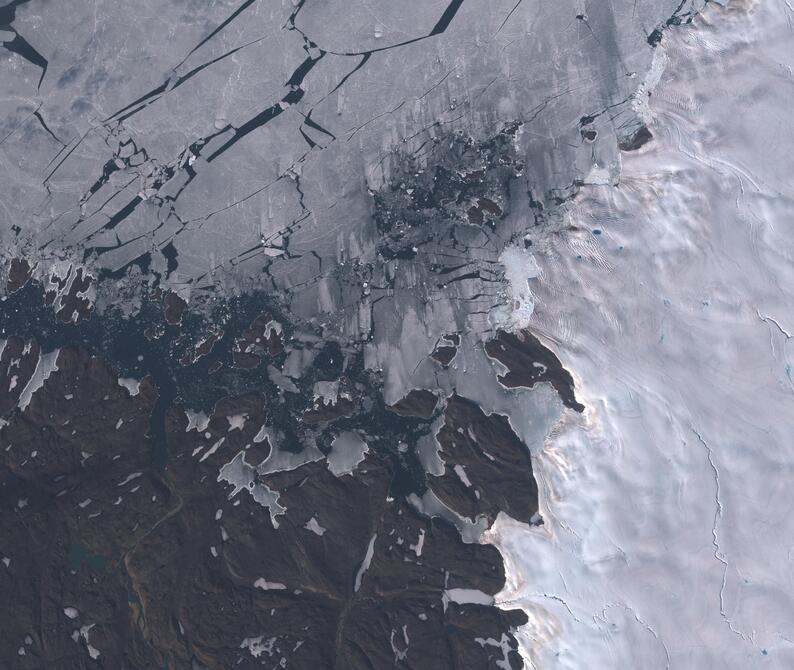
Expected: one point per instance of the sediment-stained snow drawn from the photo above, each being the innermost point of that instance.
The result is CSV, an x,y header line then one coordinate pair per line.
x,y
667,535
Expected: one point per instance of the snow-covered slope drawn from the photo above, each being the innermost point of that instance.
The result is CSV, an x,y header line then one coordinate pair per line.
x,y
669,535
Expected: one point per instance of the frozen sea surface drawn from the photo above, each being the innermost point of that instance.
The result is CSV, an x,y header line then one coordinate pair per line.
x,y
668,531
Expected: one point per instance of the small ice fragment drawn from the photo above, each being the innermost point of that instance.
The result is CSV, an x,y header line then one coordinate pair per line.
x,y
132,385
420,543
314,527
236,421
129,478
347,451
460,471
365,563
257,647
212,450
46,365
93,652
265,585
467,596
197,420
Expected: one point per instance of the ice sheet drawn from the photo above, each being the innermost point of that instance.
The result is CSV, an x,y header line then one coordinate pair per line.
x,y
668,531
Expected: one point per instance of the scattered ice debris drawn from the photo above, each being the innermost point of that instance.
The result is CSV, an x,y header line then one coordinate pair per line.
x,y
257,647
326,391
281,380
132,385
271,327
365,563
347,451
298,361
93,652
314,527
6,561
47,364
504,643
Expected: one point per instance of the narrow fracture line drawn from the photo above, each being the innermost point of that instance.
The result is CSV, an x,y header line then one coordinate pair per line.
x,y
715,541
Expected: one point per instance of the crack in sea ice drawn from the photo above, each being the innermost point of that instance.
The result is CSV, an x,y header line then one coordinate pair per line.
x,y
640,621
715,539
769,319
774,324
547,596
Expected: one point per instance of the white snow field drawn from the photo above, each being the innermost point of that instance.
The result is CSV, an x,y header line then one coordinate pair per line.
x,y
668,539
